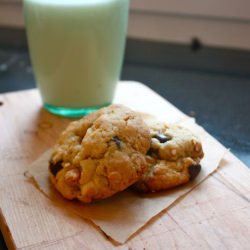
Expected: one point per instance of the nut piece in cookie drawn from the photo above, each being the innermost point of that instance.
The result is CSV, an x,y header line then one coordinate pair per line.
x,y
173,158
101,154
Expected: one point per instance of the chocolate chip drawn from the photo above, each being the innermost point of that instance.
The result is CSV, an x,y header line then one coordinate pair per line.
x,y
1,103
193,171
117,141
162,138
55,168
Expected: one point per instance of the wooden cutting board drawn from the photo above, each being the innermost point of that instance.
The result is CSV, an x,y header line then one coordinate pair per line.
x,y
216,215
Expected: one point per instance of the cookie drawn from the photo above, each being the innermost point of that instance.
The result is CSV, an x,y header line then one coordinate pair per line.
x,y
100,155
173,158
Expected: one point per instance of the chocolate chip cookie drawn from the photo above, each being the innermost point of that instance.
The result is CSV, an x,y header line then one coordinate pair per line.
x,y
100,155
173,158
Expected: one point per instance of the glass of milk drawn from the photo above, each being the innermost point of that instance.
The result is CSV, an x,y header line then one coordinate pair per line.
x,y
76,49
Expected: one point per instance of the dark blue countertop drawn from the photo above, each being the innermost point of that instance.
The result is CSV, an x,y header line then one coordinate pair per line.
x,y
210,84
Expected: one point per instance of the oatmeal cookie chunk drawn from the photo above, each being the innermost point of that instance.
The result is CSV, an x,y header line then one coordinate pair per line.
x,y
101,154
173,158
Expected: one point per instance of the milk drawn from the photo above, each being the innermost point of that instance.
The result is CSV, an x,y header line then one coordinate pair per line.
x,y
76,49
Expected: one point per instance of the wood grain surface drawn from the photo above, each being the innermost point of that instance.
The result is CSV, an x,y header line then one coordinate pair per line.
x,y
215,215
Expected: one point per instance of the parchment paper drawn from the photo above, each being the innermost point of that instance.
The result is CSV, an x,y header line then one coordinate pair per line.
x,y
122,215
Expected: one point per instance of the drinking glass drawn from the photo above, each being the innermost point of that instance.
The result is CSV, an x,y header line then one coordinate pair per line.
x,y
76,49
